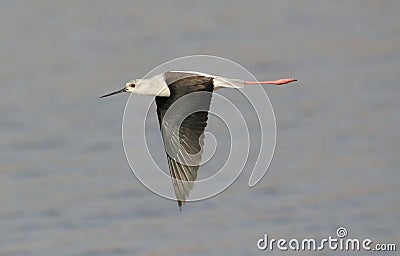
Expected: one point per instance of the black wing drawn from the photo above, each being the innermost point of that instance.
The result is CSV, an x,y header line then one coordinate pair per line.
x,y
183,117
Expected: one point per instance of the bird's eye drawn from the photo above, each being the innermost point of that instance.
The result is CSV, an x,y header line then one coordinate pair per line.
x,y
133,85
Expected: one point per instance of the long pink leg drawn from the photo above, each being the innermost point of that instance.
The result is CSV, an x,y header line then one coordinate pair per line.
x,y
275,82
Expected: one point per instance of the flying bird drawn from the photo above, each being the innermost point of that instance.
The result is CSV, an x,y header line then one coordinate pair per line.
x,y
183,100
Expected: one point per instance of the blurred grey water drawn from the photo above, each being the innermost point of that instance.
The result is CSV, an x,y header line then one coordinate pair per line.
x,y
66,188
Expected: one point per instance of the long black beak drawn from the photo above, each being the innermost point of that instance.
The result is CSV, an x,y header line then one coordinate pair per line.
x,y
120,91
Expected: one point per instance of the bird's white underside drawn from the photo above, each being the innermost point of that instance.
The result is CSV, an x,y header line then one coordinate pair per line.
x,y
157,85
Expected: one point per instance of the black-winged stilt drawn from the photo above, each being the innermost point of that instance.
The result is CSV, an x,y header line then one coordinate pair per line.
x,y
181,130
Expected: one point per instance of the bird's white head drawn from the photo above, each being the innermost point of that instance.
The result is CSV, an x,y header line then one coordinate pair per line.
x,y
155,86
130,86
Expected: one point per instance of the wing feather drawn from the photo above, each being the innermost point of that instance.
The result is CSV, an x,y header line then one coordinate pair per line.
x,y
183,118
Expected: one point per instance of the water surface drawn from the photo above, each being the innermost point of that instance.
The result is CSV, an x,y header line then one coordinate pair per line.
x,y
66,188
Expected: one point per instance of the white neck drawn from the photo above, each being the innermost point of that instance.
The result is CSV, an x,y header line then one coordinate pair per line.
x,y
155,86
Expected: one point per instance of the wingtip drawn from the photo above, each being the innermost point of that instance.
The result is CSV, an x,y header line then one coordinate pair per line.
x,y
180,203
